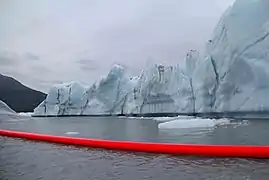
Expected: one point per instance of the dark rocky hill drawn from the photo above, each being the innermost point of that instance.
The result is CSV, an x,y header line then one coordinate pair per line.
x,y
18,96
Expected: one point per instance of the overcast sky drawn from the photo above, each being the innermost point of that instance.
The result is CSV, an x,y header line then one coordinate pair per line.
x,y
46,42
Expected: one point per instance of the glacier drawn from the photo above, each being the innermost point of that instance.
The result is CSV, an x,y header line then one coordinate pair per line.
x,y
158,89
230,76
108,96
233,76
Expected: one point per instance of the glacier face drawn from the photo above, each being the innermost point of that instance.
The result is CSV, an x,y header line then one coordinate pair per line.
x,y
158,89
234,74
108,96
231,76
163,89
62,99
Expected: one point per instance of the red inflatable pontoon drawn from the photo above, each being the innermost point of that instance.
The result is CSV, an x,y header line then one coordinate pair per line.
x,y
240,151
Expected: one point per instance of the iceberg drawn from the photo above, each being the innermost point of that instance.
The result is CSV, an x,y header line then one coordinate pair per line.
x,y
5,109
7,114
230,76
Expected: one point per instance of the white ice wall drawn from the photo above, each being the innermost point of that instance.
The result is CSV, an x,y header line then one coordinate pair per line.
x,y
232,75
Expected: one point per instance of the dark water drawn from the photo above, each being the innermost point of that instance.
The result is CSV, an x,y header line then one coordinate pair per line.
x,y
29,160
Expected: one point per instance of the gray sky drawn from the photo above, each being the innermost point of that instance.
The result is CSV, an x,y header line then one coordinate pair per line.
x,y
46,42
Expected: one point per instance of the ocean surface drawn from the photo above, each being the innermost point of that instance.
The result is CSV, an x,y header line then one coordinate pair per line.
x,y
28,160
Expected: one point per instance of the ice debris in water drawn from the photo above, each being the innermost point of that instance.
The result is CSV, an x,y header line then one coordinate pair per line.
x,y
72,133
193,123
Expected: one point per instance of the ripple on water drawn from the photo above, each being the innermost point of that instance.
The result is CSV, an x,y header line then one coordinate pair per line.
x,y
26,160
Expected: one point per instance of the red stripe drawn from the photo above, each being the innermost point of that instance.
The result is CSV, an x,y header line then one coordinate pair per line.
x,y
178,149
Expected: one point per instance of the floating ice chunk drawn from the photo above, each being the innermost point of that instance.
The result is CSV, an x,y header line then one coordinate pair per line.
x,y
72,133
193,123
167,119
25,114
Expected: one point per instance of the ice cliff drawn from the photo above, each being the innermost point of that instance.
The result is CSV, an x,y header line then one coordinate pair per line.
x,y
234,74
231,75
108,96
158,89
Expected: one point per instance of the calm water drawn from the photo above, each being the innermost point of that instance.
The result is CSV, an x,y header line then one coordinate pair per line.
x,y
29,160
